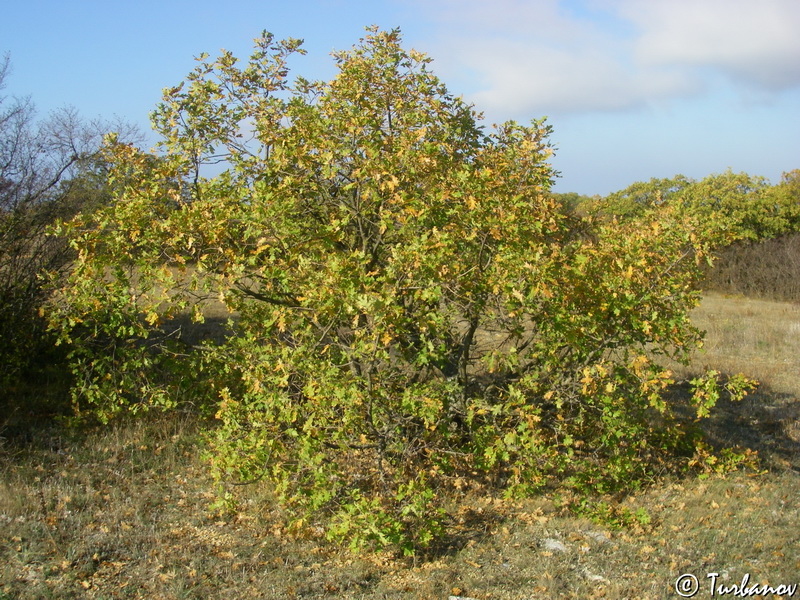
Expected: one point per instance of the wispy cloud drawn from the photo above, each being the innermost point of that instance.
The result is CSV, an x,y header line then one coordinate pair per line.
x,y
556,56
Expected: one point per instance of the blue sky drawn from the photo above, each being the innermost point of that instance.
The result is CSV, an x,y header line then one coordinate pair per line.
x,y
634,88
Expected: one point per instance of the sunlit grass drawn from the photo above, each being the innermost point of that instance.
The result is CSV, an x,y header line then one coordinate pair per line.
x,y
758,337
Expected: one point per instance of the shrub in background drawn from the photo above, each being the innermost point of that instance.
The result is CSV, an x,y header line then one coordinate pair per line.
x,y
758,256
48,170
767,268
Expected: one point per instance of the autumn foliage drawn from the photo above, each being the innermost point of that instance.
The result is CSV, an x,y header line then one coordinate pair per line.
x,y
411,313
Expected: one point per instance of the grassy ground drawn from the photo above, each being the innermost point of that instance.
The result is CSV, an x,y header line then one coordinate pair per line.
x,y
123,512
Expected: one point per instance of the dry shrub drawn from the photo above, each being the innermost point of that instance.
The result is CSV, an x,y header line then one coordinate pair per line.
x,y
765,269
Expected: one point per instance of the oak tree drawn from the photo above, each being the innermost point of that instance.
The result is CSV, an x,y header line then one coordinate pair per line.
x,y
411,313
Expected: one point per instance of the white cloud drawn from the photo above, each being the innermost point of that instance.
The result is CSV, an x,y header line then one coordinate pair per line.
x,y
548,56
519,77
757,43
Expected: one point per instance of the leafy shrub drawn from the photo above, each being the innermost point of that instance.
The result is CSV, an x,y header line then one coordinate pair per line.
x,y
411,312
759,257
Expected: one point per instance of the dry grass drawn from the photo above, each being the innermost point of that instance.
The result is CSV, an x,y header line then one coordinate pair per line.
x,y
761,339
758,337
123,512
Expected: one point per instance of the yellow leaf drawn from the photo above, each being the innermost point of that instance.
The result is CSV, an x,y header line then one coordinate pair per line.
x,y
473,564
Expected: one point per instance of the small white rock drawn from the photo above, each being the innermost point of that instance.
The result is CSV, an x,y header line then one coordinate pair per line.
x,y
595,578
598,536
554,545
